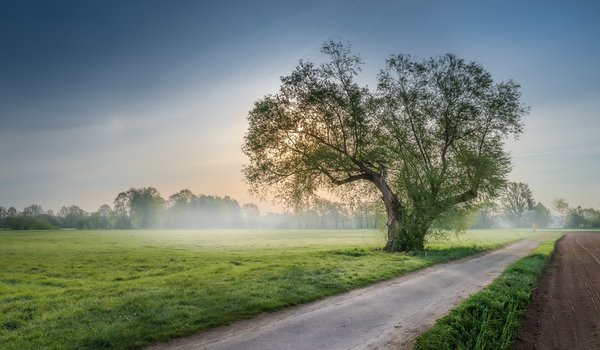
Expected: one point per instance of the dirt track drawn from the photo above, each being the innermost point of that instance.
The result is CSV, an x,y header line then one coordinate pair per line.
x,y
565,308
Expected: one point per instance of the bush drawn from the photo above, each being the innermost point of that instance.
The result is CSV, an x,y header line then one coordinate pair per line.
x,y
21,222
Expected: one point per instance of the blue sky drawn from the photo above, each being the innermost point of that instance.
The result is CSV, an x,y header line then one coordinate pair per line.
x,y
100,96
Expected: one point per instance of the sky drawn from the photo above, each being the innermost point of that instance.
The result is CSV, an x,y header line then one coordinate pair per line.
x,y
97,97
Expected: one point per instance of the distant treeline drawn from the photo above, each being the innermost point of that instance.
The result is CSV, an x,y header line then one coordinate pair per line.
x,y
582,218
145,208
515,207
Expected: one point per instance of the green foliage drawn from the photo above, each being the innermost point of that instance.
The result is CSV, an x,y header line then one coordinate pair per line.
x,y
144,205
134,208
72,217
541,216
583,218
21,222
127,289
429,138
562,207
454,220
186,210
517,201
491,318
33,217
486,215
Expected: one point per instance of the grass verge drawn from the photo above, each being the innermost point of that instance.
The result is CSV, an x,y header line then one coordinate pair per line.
x,y
491,318
128,289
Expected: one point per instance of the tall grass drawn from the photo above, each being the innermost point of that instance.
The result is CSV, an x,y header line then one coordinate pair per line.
x,y
127,289
491,318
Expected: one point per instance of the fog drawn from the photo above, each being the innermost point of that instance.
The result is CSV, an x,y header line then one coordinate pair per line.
x,y
145,208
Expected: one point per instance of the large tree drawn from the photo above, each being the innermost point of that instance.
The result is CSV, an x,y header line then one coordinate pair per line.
x,y
428,139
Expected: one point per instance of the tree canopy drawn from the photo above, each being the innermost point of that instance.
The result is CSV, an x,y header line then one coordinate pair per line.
x,y
429,138
517,200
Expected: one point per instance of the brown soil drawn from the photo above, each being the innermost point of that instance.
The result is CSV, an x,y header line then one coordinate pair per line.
x,y
565,308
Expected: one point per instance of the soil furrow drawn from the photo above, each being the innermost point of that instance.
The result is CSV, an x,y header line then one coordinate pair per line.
x,y
564,313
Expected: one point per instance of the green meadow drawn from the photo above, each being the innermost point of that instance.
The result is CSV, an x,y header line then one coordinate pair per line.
x,y
128,289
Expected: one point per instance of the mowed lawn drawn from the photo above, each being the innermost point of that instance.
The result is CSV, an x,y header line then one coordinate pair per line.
x,y
128,289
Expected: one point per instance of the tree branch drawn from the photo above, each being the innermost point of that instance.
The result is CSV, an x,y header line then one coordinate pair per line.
x,y
349,179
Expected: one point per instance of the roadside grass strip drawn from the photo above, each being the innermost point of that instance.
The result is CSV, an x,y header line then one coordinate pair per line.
x,y
490,319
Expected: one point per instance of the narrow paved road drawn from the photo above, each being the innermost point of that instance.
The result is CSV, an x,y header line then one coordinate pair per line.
x,y
386,315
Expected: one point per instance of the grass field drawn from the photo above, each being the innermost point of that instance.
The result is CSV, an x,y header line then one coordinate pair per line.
x,y
127,289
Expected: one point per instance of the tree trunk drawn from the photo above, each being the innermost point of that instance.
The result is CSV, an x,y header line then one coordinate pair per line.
x,y
403,233
393,210
393,226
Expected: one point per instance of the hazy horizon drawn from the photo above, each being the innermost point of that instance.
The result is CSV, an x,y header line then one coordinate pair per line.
x,y
100,97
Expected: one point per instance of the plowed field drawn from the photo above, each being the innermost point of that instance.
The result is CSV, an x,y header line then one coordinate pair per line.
x,y
565,308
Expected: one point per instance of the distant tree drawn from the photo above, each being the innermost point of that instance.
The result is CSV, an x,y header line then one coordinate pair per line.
x,y
181,199
33,211
333,214
144,206
516,200
541,216
592,216
105,211
562,207
215,211
33,217
180,207
12,211
319,211
429,139
323,213
367,213
72,217
101,218
251,214
3,216
583,218
121,217
232,212
45,222
340,214
364,215
486,216
575,218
